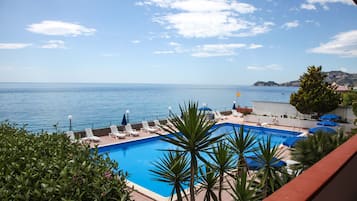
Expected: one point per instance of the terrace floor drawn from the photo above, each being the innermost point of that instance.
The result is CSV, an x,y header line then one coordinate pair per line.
x,y
140,194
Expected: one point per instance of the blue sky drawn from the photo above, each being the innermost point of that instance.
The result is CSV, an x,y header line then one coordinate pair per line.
x,y
174,41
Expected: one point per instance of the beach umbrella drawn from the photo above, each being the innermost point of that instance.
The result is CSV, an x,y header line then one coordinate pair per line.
x,y
327,123
330,117
255,164
205,108
291,141
322,129
234,105
124,122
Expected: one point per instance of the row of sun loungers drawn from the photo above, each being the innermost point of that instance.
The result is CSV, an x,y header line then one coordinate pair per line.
x,y
114,132
219,116
236,114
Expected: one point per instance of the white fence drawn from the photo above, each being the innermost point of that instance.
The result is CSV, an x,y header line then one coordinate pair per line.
x,y
284,114
291,122
287,110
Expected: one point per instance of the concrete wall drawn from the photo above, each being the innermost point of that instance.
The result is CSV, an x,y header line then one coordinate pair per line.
x,y
346,113
281,121
277,109
281,109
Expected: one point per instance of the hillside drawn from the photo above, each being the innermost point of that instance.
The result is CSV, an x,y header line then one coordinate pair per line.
x,y
339,77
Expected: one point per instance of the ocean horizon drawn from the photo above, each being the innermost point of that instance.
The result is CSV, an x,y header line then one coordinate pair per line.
x,y
45,106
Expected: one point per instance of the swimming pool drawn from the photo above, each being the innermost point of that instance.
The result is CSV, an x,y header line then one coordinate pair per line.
x,y
137,157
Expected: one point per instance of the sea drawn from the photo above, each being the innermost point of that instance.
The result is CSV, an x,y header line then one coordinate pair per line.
x,y
47,106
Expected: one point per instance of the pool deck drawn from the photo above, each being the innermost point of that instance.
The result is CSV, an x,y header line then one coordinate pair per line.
x,y
141,194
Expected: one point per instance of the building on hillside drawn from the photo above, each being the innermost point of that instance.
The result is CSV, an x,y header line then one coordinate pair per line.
x,y
341,88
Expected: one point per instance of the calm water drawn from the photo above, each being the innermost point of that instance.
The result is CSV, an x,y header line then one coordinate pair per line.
x,y
42,105
137,157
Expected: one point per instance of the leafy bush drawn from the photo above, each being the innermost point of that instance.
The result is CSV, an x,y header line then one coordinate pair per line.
x,y
348,98
49,167
354,110
315,147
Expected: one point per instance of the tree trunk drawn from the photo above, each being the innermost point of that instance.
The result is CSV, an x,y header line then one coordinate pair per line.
x,y
241,165
220,186
178,194
192,178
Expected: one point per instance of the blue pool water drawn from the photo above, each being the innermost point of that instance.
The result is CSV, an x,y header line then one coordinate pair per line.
x,y
137,157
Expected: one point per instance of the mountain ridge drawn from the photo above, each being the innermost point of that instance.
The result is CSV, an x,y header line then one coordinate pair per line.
x,y
338,77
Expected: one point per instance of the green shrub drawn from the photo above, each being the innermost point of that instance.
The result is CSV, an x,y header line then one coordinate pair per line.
x,y
315,147
49,167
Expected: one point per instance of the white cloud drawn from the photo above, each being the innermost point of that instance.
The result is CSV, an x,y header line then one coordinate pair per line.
x,y
243,8
208,50
164,52
290,25
265,68
308,6
59,28
216,50
311,4
177,48
174,44
343,44
202,25
54,44
255,46
207,18
135,41
12,46
312,22
257,29
199,5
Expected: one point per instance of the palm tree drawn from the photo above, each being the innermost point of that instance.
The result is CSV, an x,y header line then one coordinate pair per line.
x,y
241,144
222,162
269,157
244,189
315,147
194,137
173,169
208,180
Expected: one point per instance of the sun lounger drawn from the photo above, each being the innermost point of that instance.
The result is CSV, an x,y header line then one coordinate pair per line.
x,y
157,124
290,164
115,133
264,124
148,128
304,134
130,130
71,136
169,124
236,114
218,115
90,136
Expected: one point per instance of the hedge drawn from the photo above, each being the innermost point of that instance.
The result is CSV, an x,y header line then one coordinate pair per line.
x,y
49,167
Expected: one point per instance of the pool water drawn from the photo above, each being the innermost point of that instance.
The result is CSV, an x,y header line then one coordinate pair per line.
x,y
137,157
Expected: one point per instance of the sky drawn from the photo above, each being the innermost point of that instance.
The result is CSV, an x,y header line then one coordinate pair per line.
x,y
225,42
